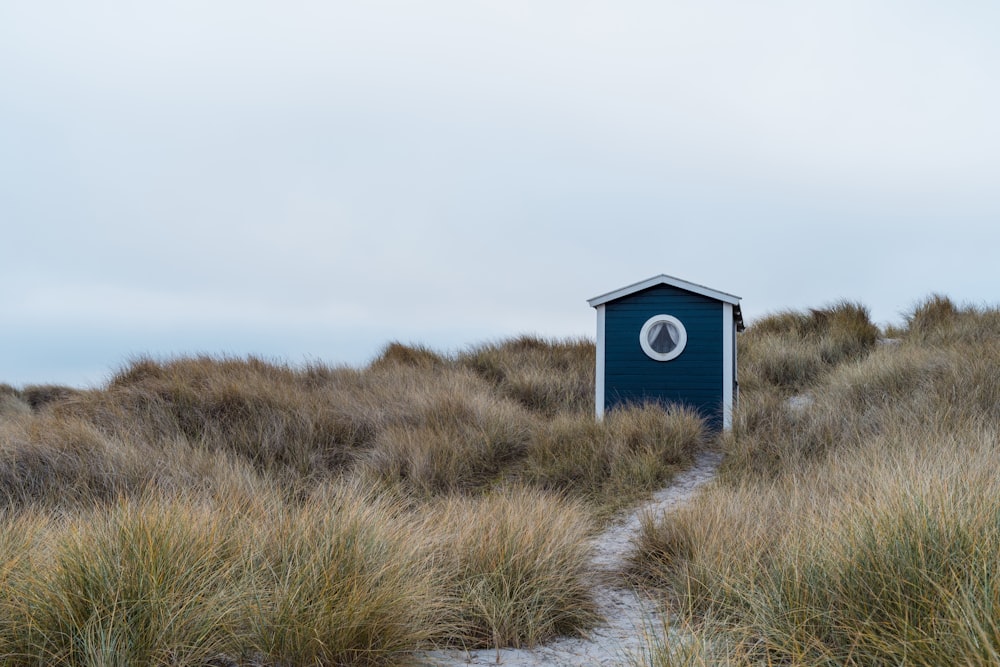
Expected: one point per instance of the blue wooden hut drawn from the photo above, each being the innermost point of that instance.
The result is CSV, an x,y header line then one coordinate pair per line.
x,y
667,340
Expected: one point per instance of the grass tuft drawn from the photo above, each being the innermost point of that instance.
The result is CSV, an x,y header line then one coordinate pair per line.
x,y
938,321
546,377
791,350
144,583
633,451
40,395
935,314
58,461
13,406
341,580
417,356
459,443
517,565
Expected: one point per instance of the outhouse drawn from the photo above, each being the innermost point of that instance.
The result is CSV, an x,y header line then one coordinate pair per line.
x,y
671,341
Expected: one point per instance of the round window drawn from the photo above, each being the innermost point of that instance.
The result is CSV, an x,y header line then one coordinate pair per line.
x,y
663,337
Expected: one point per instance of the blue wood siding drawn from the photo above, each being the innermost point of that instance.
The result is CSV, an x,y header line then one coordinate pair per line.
x,y
694,378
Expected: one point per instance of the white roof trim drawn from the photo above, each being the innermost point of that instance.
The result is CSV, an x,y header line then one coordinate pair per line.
x,y
664,279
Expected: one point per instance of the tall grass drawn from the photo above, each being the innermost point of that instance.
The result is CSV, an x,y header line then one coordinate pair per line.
x,y
174,581
860,527
516,567
633,451
136,584
518,410
63,460
346,576
459,438
11,403
210,510
547,377
791,350
937,320
216,510
342,579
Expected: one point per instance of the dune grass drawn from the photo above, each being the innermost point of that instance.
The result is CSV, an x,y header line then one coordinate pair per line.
x,y
632,451
517,578
340,579
790,350
182,581
859,527
414,419
213,510
346,576
216,510
132,584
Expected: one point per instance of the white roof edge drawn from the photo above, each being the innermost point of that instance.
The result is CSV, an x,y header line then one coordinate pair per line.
x,y
664,279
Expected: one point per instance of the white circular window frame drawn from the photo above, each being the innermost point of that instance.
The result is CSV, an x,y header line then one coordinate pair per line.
x,y
662,356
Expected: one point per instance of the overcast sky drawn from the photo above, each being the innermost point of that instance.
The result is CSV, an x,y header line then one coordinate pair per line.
x,y
308,181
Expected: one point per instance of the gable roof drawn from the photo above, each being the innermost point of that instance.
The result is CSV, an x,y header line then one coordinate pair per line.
x,y
664,279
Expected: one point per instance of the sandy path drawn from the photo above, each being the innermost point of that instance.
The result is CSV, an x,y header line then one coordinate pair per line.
x,y
629,615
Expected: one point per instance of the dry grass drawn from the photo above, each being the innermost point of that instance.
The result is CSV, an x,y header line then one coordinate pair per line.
x,y
352,516
517,577
145,583
341,579
547,377
55,461
12,405
346,576
633,451
40,395
792,350
414,419
939,321
206,510
459,437
182,581
223,511
860,527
